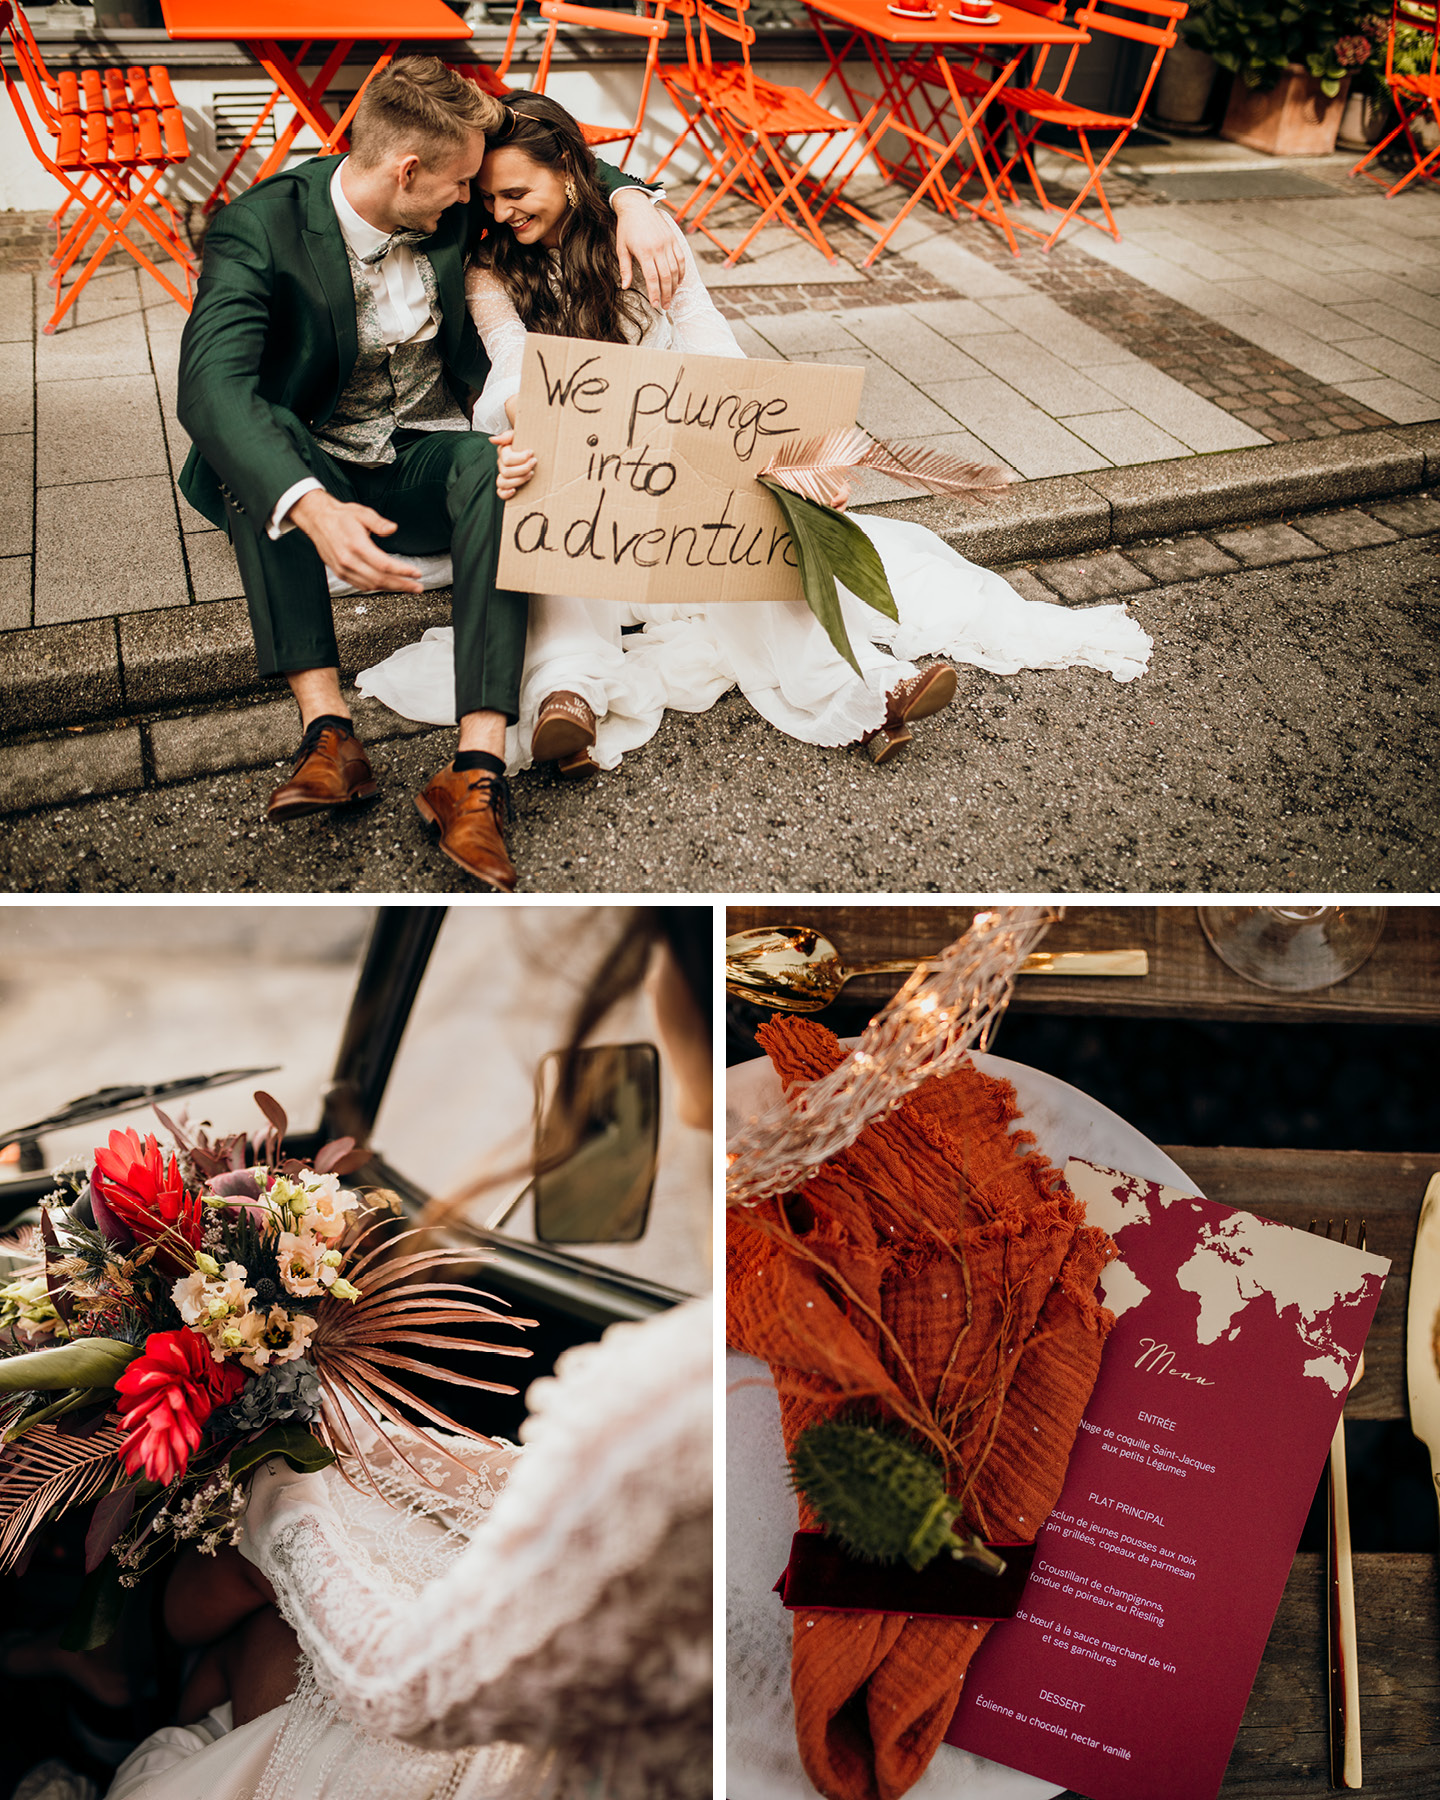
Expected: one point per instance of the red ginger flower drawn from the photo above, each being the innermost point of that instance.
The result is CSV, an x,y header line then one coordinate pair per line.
x,y
145,1192
166,1395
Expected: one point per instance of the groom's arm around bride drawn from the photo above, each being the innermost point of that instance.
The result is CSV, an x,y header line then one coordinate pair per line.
x,y
322,378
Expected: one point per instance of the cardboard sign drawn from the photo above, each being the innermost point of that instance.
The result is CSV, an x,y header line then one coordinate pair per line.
x,y
645,486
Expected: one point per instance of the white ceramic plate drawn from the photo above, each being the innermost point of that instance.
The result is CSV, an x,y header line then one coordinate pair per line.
x,y
762,1761
990,18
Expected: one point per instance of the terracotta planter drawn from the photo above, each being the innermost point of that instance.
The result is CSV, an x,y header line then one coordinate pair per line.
x,y
1292,119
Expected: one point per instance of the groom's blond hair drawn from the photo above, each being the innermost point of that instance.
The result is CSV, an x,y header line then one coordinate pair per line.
x,y
419,105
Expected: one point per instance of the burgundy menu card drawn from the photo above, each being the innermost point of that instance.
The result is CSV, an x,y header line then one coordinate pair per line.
x,y
1126,1670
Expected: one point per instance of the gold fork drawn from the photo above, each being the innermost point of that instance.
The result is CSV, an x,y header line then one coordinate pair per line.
x,y
1344,1661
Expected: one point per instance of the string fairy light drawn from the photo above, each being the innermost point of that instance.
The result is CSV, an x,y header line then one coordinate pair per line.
x,y
950,1005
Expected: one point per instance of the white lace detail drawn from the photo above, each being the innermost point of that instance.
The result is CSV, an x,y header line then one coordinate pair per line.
x,y
557,1599
691,321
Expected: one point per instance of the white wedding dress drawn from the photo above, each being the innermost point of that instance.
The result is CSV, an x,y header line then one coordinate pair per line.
x,y
533,1624
777,654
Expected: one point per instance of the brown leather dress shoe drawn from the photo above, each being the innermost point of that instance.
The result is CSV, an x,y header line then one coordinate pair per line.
x,y
914,698
565,735
469,808
331,769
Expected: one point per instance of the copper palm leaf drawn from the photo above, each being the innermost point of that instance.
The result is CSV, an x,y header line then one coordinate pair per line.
x,y
356,1342
818,467
48,1471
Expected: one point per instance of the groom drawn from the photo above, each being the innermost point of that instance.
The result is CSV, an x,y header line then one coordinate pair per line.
x,y
323,378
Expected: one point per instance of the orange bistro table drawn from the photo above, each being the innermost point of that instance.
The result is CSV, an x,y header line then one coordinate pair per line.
x,y
265,27
967,65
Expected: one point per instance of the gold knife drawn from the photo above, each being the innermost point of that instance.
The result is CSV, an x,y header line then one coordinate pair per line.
x,y
1086,962
1422,1330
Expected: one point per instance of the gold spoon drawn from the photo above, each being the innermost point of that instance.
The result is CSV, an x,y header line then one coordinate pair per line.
x,y
794,968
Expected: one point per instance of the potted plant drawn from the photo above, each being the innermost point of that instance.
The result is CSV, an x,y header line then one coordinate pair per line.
x,y
1291,81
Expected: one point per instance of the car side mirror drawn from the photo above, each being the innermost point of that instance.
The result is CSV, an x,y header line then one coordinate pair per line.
x,y
607,1142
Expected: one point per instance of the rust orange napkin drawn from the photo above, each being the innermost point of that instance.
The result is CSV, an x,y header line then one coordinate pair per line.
x,y
856,1291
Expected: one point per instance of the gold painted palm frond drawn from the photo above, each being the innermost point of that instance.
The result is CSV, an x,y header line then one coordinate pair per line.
x,y
818,468
47,1471
401,1309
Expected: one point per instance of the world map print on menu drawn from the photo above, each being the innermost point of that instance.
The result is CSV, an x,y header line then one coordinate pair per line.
x,y
1229,1270
1125,1672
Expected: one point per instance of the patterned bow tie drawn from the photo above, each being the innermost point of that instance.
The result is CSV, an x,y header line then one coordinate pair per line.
x,y
395,237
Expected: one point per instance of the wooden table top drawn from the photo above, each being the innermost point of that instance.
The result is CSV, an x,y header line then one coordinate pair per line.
x,y
1400,984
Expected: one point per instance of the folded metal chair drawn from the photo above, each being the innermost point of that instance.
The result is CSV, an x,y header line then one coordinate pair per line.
x,y
1031,108
753,123
1414,95
108,137
560,12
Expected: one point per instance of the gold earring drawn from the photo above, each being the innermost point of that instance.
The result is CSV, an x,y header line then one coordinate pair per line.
x,y
571,192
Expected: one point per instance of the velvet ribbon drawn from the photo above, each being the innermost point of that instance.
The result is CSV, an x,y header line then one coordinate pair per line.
x,y
939,1273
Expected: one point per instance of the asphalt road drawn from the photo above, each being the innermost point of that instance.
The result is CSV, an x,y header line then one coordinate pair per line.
x,y
1284,739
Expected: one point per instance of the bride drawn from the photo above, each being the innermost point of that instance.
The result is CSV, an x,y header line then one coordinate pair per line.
x,y
589,693
491,1623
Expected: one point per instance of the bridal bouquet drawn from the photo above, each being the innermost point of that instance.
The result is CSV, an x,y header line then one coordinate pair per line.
x,y
188,1312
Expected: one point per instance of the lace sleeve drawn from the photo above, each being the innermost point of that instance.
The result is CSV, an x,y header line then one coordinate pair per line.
x,y
503,336
701,329
576,1620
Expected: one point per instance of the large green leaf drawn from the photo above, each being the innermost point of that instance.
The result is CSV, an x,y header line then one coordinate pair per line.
x,y
67,1403
828,546
304,1453
98,1610
86,1363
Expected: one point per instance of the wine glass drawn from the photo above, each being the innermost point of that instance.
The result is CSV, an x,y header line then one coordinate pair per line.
x,y
1293,948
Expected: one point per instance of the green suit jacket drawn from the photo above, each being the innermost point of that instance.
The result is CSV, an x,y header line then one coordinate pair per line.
x,y
274,326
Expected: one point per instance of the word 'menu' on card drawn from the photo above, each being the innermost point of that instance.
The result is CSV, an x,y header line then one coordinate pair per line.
x,y
645,487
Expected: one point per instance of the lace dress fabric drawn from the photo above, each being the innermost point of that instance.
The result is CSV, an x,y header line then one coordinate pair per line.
x,y
776,653
532,1625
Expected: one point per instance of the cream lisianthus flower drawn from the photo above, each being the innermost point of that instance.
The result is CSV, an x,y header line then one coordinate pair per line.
x,y
329,1203
305,1269
208,1302
273,1337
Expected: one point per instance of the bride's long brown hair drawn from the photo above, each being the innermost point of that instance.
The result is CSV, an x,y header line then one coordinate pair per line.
x,y
587,301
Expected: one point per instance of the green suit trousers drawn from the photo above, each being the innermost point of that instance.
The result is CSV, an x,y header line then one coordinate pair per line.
x,y
440,494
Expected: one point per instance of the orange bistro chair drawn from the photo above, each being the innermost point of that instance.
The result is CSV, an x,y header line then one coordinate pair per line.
x,y
1031,108
751,123
108,137
1414,95
560,12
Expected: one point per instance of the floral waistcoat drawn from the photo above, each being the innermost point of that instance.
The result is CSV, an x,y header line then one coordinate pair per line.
x,y
391,384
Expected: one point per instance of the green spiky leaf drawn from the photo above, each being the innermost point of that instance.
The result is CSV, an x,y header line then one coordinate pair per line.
x,y
882,1496
828,546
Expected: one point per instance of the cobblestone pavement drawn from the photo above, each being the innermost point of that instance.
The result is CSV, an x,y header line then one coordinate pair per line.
x,y
1282,740
1213,326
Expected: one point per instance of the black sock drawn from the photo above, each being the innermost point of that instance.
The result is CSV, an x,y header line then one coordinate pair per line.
x,y
466,760
319,723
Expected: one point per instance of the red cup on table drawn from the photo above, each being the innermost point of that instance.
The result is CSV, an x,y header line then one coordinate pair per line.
x,y
973,12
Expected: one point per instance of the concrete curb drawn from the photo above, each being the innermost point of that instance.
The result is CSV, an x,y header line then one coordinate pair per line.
x,y
1071,514
172,694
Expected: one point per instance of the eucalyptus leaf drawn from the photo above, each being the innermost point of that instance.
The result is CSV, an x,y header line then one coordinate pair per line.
x,y
85,1363
98,1610
304,1453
